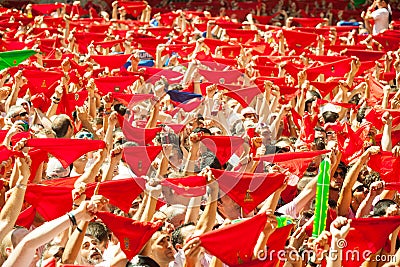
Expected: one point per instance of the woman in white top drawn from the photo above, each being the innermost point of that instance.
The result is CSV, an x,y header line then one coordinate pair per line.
x,y
380,12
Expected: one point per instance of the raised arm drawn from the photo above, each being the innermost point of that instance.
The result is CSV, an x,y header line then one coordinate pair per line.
x,y
351,177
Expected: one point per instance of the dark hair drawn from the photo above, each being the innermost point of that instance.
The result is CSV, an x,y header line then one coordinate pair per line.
x,y
202,130
343,167
319,143
361,114
381,206
330,116
121,109
177,237
97,230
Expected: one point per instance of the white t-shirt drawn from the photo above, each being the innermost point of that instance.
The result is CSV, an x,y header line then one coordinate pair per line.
x,y
381,18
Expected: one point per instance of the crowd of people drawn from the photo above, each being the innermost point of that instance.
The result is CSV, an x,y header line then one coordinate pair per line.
x,y
209,133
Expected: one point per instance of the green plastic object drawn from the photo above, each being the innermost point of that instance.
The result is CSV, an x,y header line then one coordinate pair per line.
x,y
322,196
13,58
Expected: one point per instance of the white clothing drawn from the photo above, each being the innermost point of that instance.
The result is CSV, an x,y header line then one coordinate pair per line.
x,y
381,19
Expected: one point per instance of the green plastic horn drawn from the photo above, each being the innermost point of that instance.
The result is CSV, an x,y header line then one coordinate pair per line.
x,y
321,201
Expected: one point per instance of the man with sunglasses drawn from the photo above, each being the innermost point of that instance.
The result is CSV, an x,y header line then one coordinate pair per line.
x,y
16,113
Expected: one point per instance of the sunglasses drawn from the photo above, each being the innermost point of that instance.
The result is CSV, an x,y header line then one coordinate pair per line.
x,y
283,149
330,133
83,135
337,174
22,114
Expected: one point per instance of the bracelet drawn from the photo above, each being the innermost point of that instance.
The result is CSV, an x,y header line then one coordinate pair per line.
x,y
312,264
55,102
75,205
21,186
72,218
55,98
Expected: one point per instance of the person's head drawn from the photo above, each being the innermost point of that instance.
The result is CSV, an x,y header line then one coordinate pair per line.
x,y
249,113
338,177
142,261
359,191
11,240
175,214
228,208
16,113
54,169
284,145
385,207
62,126
25,104
94,243
196,123
181,234
320,132
161,248
330,116
266,134
381,3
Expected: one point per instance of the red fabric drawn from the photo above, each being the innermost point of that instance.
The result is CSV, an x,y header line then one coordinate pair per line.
x,y
358,239
299,40
50,201
334,69
41,101
133,8
365,55
389,43
307,131
121,193
243,36
308,22
159,31
221,77
241,237
392,186
69,102
324,88
111,61
139,158
6,154
131,99
245,95
66,182
114,83
386,164
213,43
40,81
190,186
375,117
52,63
222,146
140,135
132,235
177,128
37,156
248,190
45,9
344,105
109,44
395,137
296,162
64,149
26,217
376,91
351,143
